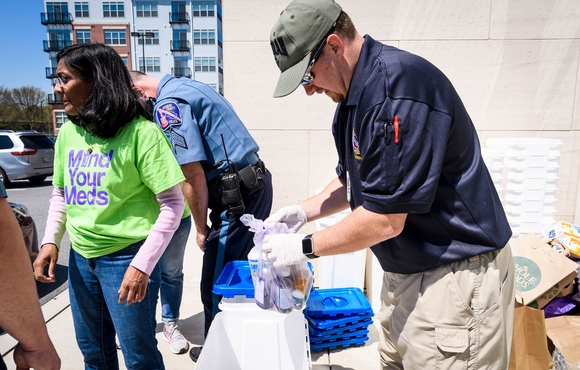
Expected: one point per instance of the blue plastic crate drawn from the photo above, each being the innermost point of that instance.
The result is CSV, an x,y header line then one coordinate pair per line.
x,y
338,343
338,338
340,331
235,280
323,323
337,302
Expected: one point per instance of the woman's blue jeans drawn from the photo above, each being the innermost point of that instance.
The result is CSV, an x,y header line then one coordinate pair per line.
x,y
171,273
93,288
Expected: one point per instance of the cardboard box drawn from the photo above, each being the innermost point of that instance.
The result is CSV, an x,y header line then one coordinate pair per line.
x,y
562,228
573,244
541,272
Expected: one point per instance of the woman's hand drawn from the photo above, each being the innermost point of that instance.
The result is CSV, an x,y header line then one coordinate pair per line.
x,y
48,255
134,286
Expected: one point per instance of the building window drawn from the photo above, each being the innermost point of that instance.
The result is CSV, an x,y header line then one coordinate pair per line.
x,y
115,37
149,40
125,60
146,9
213,86
57,7
113,9
153,64
205,64
204,37
203,9
83,36
60,118
81,9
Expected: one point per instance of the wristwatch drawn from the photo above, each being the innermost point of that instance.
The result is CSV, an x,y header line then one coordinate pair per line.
x,y
308,247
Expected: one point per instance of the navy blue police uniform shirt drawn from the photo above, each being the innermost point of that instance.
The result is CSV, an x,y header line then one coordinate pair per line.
x,y
431,169
194,117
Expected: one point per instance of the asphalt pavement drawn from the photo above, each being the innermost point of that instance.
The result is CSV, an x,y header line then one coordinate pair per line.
x,y
36,199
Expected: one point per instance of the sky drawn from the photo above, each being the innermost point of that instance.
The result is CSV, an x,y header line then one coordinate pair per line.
x,y
22,59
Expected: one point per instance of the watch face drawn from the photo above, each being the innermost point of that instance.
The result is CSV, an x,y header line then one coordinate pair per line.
x,y
307,247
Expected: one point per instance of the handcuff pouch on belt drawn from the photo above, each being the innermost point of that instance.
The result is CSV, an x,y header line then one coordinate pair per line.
x,y
233,186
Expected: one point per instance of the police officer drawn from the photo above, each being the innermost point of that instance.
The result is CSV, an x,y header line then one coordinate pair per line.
x,y
222,169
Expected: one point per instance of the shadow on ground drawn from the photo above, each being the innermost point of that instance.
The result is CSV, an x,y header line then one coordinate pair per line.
x,y
47,291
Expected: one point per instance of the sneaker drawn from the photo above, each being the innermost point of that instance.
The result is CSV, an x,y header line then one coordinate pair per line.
x,y
194,353
176,340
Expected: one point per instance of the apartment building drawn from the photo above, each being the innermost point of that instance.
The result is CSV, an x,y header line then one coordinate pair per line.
x,y
182,38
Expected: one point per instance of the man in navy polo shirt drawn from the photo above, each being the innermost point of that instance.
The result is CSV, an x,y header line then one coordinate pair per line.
x,y
410,168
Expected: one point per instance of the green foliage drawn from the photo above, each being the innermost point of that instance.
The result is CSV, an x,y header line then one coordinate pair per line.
x,y
24,108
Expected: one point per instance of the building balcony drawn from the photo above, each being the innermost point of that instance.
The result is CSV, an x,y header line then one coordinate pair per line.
x,y
179,18
56,45
55,18
181,72
51,72
180,45
54,99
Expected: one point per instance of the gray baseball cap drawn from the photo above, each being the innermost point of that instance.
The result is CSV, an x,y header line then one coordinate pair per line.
x,y
301,26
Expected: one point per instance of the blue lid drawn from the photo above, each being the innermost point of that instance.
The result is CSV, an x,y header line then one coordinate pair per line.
x,y
341,331
338,343
323,323
235,280
337,302
336,338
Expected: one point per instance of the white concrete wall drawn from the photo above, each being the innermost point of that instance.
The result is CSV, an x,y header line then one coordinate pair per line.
x,y
514,62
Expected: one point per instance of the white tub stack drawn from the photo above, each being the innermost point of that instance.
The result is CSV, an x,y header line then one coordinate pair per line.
x,y
528,182
494,160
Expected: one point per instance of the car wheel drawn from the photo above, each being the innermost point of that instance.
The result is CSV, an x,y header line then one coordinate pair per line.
x,y
37,180
4,178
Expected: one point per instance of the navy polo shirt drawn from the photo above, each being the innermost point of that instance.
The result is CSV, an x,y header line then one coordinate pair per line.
x,y
195,117
428,166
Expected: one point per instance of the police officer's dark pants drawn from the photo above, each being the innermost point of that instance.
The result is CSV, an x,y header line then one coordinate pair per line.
x,y
230,240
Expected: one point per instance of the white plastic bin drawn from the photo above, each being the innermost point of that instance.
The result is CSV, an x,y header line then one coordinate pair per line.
x,y
342,270
374,281
256,340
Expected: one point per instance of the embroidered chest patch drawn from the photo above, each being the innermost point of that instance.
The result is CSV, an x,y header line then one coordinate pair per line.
x,y
355,147
168,115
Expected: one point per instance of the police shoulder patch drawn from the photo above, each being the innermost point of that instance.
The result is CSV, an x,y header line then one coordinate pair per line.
x,y
168,115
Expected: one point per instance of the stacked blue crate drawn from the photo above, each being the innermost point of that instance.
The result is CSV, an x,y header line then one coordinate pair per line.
x,y
338,317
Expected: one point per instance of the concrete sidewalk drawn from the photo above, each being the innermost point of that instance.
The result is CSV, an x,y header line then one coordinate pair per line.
x,y
60,327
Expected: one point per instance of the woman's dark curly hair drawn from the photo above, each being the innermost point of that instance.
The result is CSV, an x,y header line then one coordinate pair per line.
x,y
112,102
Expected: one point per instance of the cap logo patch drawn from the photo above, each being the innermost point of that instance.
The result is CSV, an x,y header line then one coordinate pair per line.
x,y
278,47
168,115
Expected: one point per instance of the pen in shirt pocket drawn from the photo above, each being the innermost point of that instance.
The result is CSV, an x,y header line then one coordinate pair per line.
x,y
396,125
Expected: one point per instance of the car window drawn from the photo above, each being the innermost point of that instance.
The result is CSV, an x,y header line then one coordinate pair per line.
x,y
6,142
36,141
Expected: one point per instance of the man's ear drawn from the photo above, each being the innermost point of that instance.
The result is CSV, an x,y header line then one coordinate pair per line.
x,y
336,44
140,92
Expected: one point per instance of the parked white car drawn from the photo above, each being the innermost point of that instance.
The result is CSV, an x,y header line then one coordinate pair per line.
x,y
25,155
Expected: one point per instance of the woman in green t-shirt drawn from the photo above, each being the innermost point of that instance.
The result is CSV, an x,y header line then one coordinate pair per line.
x,y
117,194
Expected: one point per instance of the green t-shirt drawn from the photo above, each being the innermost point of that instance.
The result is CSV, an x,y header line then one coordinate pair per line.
x,y
110,193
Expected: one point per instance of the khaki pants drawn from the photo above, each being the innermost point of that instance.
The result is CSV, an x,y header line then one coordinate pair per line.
x,y
458,316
